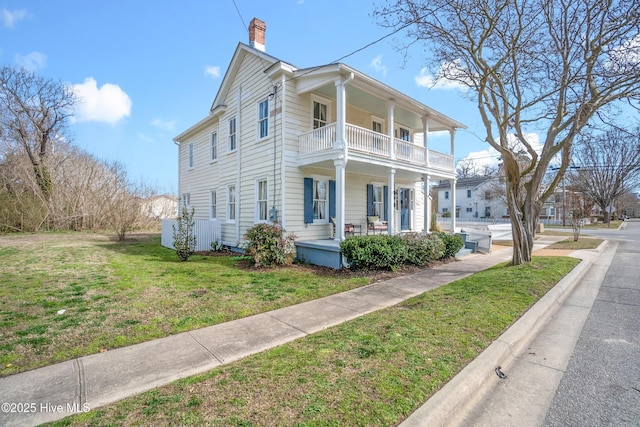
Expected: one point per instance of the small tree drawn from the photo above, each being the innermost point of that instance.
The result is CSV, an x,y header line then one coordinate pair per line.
x,y
184,238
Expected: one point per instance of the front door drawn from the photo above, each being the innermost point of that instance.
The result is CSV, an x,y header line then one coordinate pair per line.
x,y
405,208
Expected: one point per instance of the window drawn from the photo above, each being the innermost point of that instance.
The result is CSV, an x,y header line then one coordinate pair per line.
x,y
405,135
191,155
445,210
378,201
213,146
261,200
320,196
376,126
213,205
185,200
263,119
469,209
319,200
231,203
232,135
468,194
319,114
446,195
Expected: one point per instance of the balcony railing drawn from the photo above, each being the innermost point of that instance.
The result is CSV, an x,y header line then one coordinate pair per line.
x,y
366,141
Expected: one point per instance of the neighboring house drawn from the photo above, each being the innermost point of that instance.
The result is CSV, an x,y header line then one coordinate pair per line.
x,y
302,146
161,206
473,198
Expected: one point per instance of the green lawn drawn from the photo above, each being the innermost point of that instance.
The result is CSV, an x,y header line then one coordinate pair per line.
x,y
68,295
373,371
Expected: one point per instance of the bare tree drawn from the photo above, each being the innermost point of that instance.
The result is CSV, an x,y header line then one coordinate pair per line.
x,y
539,66
609,166
34,112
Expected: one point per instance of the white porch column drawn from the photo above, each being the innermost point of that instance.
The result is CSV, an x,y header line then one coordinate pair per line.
x,y
452,132
391,125
340,165
453,205
427,204
425,131
391,208
341,144
341,113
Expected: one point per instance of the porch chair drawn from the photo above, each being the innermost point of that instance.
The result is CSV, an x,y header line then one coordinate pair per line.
x,y
349,229
374,224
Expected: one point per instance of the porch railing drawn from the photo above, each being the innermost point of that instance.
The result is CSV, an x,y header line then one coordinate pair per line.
x,y
318,139
367,141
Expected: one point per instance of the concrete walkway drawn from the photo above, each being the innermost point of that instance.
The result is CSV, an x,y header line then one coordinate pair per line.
x,y
54,392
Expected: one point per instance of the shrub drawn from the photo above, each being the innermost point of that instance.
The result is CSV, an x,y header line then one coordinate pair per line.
x,y
184,238
268,246
452,243
423,248
446,214
379,252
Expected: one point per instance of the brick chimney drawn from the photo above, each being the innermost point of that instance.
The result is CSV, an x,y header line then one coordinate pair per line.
x,y
257,28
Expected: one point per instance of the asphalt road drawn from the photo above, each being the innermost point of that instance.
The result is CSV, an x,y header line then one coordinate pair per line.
x,y
601,386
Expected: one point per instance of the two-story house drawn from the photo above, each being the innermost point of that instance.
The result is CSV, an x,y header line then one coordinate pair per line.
x,y
472,198
313,149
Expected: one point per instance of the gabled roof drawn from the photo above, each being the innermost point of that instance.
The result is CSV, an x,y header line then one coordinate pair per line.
x,y
309,79
471,182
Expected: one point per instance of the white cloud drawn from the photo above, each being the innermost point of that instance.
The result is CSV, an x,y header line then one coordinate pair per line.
x,y
164,124
376,63
489,158
108,103
213,71
145,138
32,61
444,78
10,18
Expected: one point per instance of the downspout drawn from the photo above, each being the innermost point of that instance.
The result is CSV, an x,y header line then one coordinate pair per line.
x,y
238,177
282,154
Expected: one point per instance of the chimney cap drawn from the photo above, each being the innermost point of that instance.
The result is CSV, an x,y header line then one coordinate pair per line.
x,y
257,30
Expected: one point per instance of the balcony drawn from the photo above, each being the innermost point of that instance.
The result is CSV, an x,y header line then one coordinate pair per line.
x,y
374,144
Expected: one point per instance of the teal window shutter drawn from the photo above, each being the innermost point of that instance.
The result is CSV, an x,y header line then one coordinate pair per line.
x,y
308,200
386,204
332,199
369,199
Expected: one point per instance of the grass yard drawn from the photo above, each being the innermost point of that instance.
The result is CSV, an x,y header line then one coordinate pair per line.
x,y
582,243
68,295
373,371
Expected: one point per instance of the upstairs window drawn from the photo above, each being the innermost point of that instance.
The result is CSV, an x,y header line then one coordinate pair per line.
x,y
263,119
446,195
232,135
213,146
319,114
468,194
191,150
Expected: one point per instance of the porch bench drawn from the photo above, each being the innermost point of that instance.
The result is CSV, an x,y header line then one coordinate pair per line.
x,y
374,224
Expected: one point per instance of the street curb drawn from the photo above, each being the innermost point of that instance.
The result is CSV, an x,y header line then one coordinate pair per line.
x,y
451,403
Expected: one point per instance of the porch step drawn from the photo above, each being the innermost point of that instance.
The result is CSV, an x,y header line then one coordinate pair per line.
x,y
473,245
463,252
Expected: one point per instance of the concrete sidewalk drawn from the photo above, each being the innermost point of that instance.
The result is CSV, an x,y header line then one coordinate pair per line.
x,y
56,391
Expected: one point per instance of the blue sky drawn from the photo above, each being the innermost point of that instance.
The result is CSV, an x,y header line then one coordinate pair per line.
x,y
150,69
